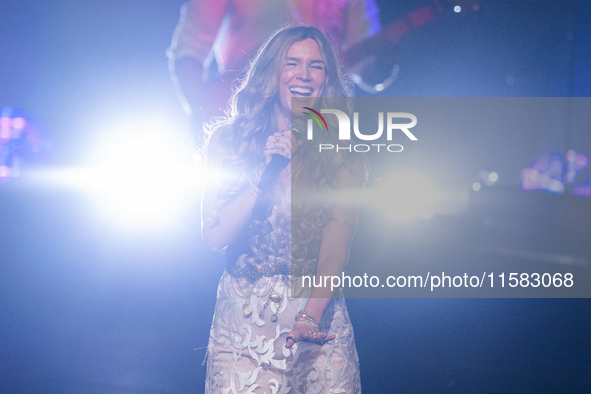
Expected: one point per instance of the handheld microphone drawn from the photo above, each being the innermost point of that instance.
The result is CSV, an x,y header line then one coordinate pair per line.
x,y
274,167
298,127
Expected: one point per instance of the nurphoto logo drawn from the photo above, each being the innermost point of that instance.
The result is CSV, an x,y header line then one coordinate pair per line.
x,y
392,125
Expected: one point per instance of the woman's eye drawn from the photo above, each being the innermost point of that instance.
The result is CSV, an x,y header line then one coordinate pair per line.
x,y
292,64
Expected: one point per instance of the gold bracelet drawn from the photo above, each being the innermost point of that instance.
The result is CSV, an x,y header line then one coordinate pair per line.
x,y
306,323
304,314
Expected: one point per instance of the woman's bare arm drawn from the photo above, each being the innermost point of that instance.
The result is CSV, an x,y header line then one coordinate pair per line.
x,y
220,230
334,248
230,219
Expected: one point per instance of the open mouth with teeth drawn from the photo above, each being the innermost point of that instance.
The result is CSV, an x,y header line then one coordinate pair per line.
x,y
299,91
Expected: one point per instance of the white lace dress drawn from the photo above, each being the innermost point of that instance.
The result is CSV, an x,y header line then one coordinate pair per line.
x,y
247,353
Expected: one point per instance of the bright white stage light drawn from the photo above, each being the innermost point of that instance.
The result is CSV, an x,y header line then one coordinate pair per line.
x,y
137,178
142,178
139,174
404,196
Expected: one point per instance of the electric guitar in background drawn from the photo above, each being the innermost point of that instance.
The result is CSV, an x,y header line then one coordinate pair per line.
x,y
361,58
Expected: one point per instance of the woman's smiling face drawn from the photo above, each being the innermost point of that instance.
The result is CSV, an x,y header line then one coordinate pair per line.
x,y
304,73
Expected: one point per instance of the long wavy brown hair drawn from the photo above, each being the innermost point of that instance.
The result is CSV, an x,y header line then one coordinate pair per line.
x,y
251,120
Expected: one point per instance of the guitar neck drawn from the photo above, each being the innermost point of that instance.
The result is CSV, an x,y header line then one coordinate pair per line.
x,y
392,33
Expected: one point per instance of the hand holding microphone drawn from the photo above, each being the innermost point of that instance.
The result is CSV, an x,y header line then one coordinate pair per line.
x,y
278,154
278,144
285,142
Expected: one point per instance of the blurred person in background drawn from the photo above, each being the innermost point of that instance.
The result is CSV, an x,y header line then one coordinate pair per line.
x,y
226,34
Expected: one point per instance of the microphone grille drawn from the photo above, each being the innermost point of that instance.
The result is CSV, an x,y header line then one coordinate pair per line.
x,y
298,127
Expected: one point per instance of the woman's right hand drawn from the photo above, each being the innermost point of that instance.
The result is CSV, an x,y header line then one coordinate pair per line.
x,y
280,143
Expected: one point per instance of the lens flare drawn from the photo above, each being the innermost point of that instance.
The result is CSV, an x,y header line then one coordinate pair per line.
x,y
404,196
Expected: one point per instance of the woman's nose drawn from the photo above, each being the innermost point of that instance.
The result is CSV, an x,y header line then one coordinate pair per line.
x,y
304,74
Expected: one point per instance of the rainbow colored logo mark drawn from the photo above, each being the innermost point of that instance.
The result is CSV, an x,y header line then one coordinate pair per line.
x,y
315,118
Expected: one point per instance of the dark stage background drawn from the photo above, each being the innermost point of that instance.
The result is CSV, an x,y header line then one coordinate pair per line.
x,y
90,305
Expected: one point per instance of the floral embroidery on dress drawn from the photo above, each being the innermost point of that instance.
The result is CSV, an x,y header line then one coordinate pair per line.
x,y
247,352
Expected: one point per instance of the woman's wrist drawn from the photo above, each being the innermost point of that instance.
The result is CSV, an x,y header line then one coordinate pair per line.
x,y
312,328
305,317
316,305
